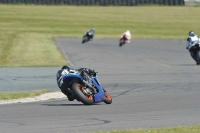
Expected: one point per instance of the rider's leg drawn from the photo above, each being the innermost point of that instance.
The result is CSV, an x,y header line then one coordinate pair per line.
x,y
65,90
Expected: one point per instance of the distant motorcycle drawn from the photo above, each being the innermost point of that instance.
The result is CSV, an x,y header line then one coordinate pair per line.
x,y
86,88
88,35
124,38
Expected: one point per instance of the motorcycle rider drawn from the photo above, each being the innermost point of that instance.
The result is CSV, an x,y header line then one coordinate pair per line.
x,y
126,36
90,33
192,40
66,70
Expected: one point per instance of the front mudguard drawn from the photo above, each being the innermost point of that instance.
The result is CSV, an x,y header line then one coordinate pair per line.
x,y
99,96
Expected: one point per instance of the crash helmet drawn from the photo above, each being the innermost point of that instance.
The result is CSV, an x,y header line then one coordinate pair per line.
x,y
191,33
66,67
127,31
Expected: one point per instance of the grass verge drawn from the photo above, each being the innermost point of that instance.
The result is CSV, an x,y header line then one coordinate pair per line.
x,y
34,49
179,129
27,31
18,95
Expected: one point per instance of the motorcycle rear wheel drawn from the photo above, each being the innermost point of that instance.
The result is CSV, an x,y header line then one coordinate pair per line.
x,y
77,92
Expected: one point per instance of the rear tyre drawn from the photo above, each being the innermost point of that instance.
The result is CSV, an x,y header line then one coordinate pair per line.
x,y
77,92
107,97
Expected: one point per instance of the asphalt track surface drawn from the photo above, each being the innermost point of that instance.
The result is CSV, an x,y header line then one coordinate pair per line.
x,y
28,79
154,83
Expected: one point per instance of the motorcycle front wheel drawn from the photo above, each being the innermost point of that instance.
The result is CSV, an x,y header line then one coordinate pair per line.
x,y
107,97
198,57
85,39
121,42
80,96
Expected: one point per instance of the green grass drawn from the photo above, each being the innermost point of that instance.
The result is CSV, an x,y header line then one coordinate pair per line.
x,y
180,129
27,31
18,95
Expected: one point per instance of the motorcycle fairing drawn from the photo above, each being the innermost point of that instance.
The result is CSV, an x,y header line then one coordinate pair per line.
x,y
69,78
99,96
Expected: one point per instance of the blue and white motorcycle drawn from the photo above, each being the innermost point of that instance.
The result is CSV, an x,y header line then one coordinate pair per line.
x,y
87,88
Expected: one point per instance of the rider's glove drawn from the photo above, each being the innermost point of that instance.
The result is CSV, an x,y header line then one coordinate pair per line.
x,y
94,73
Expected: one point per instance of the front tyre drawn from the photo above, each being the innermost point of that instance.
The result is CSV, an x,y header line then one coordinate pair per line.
x,y
85,39
198,57
78,93
107,97
121,42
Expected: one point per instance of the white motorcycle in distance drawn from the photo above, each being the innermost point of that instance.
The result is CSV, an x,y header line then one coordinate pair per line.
x,y
125,38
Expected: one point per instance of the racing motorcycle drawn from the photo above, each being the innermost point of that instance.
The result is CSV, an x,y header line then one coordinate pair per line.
x,y
86,88
88,36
